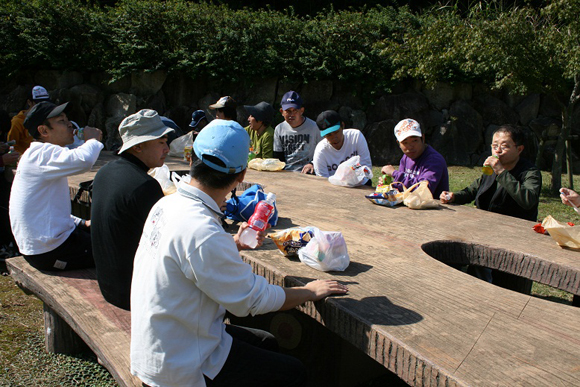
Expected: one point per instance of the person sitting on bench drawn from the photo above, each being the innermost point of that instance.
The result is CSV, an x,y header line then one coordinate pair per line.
x,y
123,194
188,272
46,233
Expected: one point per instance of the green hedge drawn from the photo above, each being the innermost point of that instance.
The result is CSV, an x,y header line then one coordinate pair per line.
x,y
201,39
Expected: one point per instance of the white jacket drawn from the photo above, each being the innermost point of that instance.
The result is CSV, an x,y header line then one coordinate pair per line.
x,y
40,208
187,272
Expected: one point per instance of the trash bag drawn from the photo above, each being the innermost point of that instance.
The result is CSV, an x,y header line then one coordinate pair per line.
x,y
351,173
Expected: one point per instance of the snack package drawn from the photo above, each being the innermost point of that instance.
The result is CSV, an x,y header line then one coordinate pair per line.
x,y
289,241
386,195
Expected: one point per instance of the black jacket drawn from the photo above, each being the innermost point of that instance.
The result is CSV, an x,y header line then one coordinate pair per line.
x,y
123,194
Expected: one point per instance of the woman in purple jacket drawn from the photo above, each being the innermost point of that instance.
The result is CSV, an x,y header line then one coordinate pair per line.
x,y
420,161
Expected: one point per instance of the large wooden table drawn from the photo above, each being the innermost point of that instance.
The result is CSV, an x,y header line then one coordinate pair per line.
x,y
423,320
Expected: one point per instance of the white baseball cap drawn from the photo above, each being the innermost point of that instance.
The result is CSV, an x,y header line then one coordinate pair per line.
x,y
407,128
39,93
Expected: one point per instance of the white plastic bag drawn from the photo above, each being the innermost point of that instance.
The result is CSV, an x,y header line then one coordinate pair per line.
x,y
326,251
178,145
266,164
420,198
351,173
167,182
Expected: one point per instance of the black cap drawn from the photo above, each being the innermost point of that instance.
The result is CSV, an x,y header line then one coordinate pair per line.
x,y
328,122
40,113
262,112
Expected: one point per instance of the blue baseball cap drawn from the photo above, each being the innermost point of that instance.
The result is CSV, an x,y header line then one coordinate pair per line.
x,y
291,100
196,116
328,122
225,140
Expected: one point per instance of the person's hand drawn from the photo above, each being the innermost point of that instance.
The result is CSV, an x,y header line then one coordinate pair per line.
x,y
308,168
324,288
388,170
495,164
10,158
569,197
88,223
260,236
4,147
447,197
89,133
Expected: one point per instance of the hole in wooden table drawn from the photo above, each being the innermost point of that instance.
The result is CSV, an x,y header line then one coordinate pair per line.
x,y
510,270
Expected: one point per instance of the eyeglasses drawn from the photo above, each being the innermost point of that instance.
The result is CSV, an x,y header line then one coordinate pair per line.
x,y
503,147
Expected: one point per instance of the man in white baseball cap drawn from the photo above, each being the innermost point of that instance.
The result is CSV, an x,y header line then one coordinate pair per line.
x,y
420,161
188,272
17,131
123,194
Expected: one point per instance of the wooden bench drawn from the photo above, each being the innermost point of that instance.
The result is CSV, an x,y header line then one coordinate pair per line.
x,y
76,315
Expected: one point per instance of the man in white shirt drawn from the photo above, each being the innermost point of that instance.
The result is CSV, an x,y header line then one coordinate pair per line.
x,y
338,145
295,139
46,233
188,272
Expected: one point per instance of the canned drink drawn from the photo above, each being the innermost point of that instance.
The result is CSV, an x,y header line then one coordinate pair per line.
x,y
187,152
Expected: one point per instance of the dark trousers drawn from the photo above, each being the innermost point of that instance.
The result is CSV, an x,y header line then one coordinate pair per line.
x,y
254,361
74,253
5,231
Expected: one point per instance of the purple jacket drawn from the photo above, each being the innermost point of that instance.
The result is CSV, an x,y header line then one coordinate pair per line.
x,y
429,166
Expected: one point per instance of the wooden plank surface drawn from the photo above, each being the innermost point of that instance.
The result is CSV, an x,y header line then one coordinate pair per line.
x,y
76,298
430,324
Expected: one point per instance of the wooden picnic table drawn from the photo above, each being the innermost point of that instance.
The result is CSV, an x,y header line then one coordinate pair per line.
x,y
429,323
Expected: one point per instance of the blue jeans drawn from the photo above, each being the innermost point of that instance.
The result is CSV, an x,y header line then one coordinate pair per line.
x,y
254,361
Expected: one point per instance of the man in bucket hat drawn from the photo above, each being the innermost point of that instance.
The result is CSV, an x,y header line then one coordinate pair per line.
x,y
420,161
48,236
188,272
295,139
123,194
260,131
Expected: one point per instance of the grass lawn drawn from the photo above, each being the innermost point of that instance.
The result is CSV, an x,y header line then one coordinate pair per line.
x,y
23,361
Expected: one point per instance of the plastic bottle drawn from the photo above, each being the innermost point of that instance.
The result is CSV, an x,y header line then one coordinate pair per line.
x,y
387,179
258,221
251,155
80,133
486,169
10,150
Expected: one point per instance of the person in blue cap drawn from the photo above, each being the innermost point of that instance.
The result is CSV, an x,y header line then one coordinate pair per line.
x,y
188,272
198,122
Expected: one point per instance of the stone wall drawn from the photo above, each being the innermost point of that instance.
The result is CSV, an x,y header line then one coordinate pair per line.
x,y
458,119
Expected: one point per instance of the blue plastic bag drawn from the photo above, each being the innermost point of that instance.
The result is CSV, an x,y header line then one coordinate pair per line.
x,y
240,208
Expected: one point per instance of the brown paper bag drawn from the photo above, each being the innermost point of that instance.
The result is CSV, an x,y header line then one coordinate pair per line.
x,y
564,234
